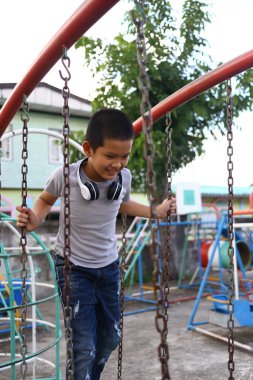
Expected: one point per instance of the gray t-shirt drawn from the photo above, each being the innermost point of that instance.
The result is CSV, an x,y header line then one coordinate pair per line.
x,y
93,242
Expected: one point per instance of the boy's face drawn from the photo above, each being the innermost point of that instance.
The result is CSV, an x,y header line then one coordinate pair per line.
x,y
108,160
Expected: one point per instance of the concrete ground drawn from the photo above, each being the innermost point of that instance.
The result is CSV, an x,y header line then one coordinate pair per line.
x,y
192,355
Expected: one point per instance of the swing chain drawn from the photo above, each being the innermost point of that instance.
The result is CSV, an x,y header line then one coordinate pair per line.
x,y
229,122
23,240
168,132
145,107
167,255
122,274
67,265
0,199
164,352
149,153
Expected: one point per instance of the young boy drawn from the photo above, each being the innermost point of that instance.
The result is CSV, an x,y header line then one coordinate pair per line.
x,y
99,189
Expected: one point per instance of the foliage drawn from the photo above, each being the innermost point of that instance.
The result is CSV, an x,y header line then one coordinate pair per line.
x,y
74,154
175,57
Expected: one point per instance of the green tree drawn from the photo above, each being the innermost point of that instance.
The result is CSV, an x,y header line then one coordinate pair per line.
x,y
175,57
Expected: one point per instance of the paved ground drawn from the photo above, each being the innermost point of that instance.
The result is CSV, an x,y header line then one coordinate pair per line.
x,y
192,355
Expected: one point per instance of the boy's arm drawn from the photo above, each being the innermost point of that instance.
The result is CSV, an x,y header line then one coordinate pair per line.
x,y
31,219
133,208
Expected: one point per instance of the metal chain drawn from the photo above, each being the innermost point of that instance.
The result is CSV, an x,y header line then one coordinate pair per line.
x,y
23,240
0,199
229,122
167,255
122,274
67,252
139,20
145,107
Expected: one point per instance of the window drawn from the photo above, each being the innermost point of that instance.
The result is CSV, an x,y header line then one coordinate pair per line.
x,y
7,146
55,150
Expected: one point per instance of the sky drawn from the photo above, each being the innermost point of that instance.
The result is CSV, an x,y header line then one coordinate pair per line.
x,y
27,26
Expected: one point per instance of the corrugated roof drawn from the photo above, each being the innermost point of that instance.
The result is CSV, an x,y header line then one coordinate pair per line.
x,y
223,190
214,191
47,98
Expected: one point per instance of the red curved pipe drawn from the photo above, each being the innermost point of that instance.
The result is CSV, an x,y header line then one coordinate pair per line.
x,y
216,76
243,212
83,18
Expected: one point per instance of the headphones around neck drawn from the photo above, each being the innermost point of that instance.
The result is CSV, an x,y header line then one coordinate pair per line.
x,y
90,190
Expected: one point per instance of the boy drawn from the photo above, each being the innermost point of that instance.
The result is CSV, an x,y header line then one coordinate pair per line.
x,y
99,189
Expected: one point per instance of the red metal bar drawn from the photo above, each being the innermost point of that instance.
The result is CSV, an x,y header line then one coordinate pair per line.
x,y
83,18
243,212
195,88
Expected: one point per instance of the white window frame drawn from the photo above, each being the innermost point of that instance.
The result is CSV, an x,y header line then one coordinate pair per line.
x,y
55,155
7,146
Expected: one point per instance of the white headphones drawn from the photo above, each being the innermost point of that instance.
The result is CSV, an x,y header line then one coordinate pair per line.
x,y
90,190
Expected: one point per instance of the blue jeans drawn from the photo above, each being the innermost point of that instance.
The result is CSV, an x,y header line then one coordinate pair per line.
x,y
95,315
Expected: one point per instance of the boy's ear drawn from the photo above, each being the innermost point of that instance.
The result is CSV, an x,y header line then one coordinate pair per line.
x,y
87,149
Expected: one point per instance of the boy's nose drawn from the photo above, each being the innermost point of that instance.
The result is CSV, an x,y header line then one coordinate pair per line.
x,y
116,164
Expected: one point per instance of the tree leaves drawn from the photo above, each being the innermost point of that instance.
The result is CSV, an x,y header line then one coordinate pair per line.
x,y
176,55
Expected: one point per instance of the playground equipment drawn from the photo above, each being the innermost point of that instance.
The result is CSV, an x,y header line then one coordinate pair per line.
x,y
7,206
138,237
194,256
10,307
77,25
220,254
11,296
242,307
198,228
47,132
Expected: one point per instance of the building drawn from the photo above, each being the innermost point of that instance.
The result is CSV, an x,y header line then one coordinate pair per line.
x,y
218,195
44,145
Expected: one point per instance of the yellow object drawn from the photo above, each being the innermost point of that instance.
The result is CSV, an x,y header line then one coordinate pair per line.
x,y
17,313
210,298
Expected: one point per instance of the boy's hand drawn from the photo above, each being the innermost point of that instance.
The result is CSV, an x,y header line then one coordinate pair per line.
x,y
168,205
26,218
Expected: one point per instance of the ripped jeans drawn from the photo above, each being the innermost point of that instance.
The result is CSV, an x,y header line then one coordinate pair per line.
x,y
95,315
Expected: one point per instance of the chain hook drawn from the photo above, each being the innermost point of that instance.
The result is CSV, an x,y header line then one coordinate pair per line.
x,y
66,66
25,110
168,122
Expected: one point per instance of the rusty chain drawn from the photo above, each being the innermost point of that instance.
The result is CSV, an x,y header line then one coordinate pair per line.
x,y
167,255
23,238
229,123
67,252
139,19
122,274
0,199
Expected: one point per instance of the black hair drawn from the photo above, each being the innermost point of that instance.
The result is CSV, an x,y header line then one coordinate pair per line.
x,y
109,123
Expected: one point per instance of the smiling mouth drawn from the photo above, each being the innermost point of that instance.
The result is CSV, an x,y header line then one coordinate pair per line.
x,y
112,173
